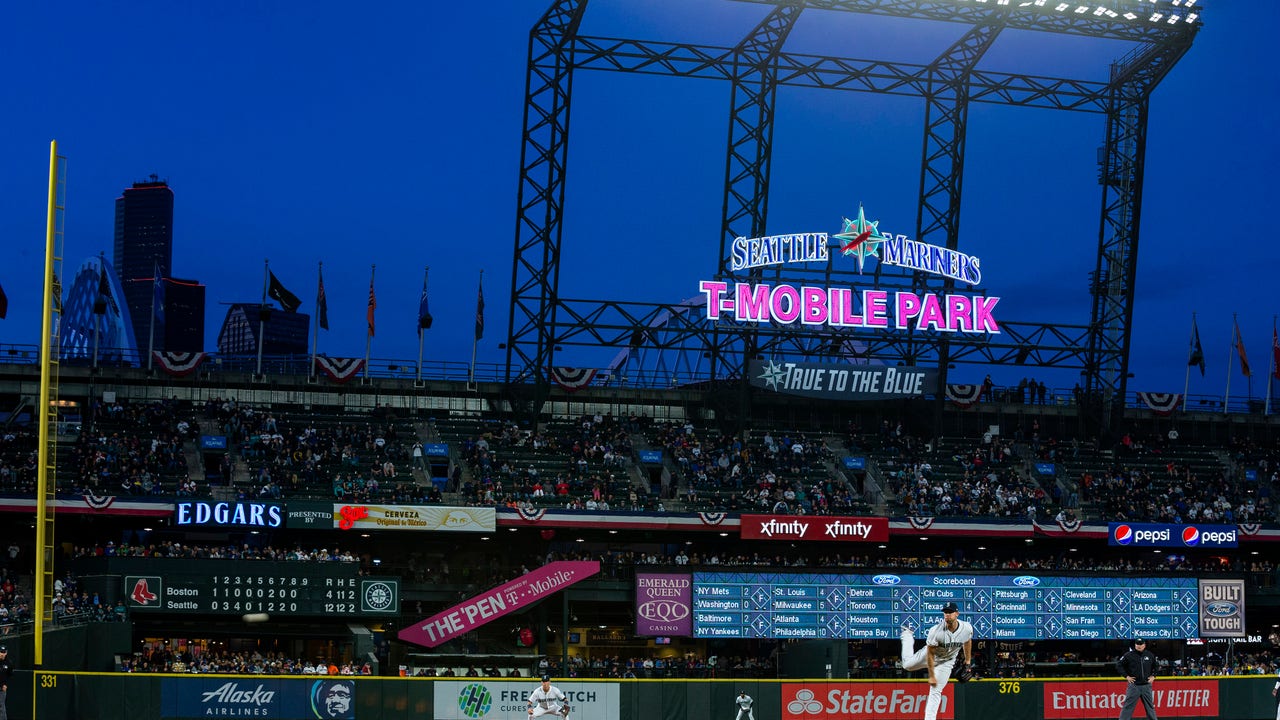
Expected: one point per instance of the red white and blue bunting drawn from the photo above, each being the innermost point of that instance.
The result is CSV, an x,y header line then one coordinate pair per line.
x,y
1161,403
178,364
339,370
573,379
964,395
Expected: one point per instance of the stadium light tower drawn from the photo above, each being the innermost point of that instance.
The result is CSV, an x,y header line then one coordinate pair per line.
x,y
542,320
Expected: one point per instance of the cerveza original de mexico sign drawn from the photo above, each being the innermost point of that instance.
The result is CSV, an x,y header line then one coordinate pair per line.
x,y
842,381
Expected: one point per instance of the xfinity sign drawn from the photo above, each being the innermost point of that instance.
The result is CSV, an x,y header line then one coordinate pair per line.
x,y
1178,536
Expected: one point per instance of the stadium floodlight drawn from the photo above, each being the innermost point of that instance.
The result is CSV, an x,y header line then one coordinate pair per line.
x,y
1100,11
1191,2
1062,6
1155,17
1130,16
1173,19
1082,9
1191,17
1040,3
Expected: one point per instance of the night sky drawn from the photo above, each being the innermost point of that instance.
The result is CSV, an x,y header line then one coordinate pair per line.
x,y
389,135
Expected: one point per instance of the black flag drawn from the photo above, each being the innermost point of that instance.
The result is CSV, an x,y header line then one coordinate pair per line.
x,y
280,294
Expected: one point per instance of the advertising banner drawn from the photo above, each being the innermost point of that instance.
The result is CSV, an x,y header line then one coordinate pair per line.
x,y
843,381
814,527
1103,699
855,463
435,449
228,514
313,515
652,457
213,442
415,517
663,604
501,700
1161,535
192,698
871,700
506,598
1222,608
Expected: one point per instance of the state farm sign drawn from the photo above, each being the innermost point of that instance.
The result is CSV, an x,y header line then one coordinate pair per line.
x,y
814,527
1092,699
845,700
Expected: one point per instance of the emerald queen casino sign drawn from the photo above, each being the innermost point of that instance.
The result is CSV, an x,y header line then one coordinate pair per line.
x,y
835,306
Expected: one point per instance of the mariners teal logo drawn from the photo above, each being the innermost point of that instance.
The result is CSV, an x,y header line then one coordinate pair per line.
x,y
474,700
859,238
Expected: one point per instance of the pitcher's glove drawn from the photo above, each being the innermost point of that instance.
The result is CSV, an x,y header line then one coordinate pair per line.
x,y
963,673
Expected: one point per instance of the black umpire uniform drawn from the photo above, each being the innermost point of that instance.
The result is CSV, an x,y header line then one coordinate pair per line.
x,y
6,673
1138,667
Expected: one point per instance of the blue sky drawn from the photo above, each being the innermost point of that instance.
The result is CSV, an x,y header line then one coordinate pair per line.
x,y
390,135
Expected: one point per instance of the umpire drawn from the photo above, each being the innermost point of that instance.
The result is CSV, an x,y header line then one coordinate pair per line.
x,y
1138,666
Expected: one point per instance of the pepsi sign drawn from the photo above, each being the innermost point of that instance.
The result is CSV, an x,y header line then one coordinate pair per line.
x,y
1161,535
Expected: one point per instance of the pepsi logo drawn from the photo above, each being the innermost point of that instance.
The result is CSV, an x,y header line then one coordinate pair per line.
x,y
1190,536
886,579
1124,534
1026,581
1221,609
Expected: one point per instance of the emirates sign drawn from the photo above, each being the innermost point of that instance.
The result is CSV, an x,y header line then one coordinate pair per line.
x,y
814,527
1093,699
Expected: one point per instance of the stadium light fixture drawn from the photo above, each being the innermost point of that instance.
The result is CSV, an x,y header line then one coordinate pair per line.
x,y
580,540
146,529
1061,7
484,537
1155,17
613,532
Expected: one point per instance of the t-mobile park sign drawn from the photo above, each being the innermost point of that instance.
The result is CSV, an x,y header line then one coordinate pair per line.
x,y
814,527
861,240
506,598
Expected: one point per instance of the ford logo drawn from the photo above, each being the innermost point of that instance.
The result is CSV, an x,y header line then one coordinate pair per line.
x,y
886,579
1221,609
1026,581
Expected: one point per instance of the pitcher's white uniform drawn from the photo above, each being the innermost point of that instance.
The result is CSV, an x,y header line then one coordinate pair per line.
x,y
947,646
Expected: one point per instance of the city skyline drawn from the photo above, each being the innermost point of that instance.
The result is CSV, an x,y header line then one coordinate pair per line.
x,y
402,153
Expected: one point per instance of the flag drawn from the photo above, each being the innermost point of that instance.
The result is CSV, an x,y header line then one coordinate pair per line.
x,y
322,304
373,304
1275,343
104,298
157,295
424,312
1244,359
480,312
1197,352
4,304
280,294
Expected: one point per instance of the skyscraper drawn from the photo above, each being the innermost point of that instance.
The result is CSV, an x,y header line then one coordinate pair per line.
x,y
143,242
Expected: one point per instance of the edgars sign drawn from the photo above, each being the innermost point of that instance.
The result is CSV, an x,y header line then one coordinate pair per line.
x,y
240,514
814,527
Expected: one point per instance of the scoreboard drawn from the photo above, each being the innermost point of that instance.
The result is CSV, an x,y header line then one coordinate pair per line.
x,y
223,587
1005,607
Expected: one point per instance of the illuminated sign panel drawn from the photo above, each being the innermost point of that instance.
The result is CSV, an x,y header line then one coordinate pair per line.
x,y
843,306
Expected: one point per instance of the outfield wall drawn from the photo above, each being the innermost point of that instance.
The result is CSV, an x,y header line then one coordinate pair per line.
x,y
117,696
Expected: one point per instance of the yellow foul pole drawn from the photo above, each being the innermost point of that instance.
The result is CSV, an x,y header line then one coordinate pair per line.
x,y
47,455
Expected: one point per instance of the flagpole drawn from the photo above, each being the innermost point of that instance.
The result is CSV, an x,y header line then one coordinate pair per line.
x,y
1271,367
1226,397
475,336
262,320
421,332
151,341
99,317
315,335
368,336
1191,348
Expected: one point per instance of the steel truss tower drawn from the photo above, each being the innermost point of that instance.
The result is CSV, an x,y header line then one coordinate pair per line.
x,y
543,322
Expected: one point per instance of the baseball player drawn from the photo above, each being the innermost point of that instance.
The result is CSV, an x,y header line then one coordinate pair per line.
x,y
744,703
1275,691
942,647
547,699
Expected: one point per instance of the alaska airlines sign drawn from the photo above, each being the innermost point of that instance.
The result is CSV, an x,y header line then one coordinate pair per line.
x,y
843,306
